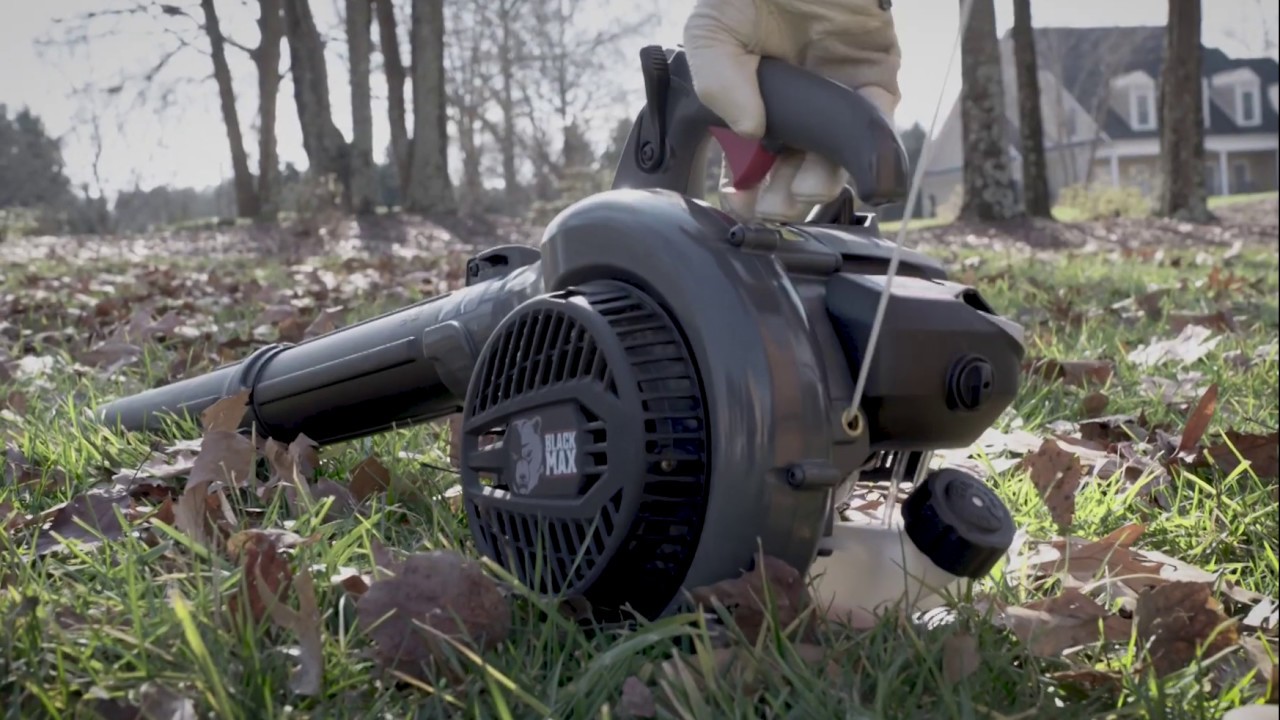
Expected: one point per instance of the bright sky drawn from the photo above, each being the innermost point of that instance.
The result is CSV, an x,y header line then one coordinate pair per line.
x,y
186,145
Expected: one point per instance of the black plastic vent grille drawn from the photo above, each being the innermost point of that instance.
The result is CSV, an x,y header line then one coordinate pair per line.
x,y
549,554
633,546
542,348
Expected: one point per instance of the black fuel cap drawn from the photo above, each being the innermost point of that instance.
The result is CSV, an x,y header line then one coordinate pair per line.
x,y
958,523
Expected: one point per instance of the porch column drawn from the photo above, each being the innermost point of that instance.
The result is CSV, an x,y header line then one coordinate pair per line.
x,y
1223,175
1115,169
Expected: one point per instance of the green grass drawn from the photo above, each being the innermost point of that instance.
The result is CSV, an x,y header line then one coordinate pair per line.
x,y
1064,213
96,623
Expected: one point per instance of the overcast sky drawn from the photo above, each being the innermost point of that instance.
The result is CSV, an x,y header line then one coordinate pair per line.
x,y
187,144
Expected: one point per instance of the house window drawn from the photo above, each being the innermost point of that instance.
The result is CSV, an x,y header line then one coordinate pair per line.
x,y
1143,111
1248,100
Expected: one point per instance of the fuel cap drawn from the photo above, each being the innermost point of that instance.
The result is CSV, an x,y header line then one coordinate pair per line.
x,y
958,523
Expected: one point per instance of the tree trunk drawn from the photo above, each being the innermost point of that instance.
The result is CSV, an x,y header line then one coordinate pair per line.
x,y
506,102
1182,194
326,149
270,27
1035,178
363,186
429,188
394,69
988,187
246,195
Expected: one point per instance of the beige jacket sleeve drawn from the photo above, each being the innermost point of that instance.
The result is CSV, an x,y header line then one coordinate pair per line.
x,y
853,42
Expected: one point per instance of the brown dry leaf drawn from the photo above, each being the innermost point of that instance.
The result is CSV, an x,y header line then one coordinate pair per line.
x,y
960,657
1094,404
1089,680
636,700
225,457
1076,373
1124,536
1199,419
1107,559
304,623
432,594
225,414
1221,321
200,513
771,583
15,401
343,503
96,509
110,354
327,321
1072,619
266,568
1262,452
368,478
1056,474
8,515
352,581
1192,344
1181,621
1105,431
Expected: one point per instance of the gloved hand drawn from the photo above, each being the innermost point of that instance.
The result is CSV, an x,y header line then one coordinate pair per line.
x,y
852,42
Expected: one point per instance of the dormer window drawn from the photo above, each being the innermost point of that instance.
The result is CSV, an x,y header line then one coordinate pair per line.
x,y
1143,109
1247,105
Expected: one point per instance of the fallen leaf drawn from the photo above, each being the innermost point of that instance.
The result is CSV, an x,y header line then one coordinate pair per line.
x,y
960,657
265,569
1056,474
1094,404
327,321
1192,344
1221,321
1180,622
1072,619
1076,373
772,585
226,414
84,519
431,596
304,623
1262,452
352,581
1199,419
342,505
637,700
368,478
1089,680
1124,536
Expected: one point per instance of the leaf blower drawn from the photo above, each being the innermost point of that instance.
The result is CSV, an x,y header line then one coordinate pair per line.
x,y
658,392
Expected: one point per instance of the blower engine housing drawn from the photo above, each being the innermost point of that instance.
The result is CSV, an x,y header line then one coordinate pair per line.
x,y
658,392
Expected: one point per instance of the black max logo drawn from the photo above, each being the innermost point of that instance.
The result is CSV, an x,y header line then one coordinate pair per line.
x,y
560,453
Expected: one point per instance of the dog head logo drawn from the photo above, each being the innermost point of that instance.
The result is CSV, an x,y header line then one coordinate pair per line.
x,y
527,452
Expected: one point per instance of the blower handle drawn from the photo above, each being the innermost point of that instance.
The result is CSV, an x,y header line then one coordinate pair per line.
x,y
803,111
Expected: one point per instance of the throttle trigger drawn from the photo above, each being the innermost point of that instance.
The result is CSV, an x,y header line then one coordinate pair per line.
x,y
651,150
748,159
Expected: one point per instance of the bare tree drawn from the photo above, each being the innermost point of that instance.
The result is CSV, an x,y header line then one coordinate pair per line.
x,y
429,188
989,192
468,55
267,58
1182,193
326,149
246,192
393,67
363,187
1035,179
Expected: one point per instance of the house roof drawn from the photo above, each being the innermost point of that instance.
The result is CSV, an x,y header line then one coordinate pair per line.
x,y
1086,58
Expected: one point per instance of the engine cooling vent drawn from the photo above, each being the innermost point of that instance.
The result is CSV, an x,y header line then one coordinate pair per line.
x,y
585,458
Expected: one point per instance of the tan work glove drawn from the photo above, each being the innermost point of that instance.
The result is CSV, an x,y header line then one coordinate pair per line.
x,y
852,42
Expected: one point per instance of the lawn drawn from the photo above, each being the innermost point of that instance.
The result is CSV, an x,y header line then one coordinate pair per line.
x,y
1065,213
1171,356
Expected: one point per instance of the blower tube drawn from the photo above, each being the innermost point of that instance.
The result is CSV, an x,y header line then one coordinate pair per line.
x,y
398,369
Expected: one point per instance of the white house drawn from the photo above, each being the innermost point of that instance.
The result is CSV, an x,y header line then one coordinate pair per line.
x,y
1098,103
